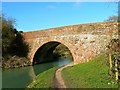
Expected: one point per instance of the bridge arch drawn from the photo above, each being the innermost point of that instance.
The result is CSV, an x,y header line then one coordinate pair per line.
x,y
46,52
85,41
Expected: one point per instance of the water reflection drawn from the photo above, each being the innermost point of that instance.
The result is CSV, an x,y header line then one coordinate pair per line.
x,y
31,73
21,77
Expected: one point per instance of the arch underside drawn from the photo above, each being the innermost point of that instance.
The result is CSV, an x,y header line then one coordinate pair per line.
x,y
46,53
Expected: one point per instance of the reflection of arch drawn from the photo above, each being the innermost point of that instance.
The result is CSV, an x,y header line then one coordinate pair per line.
x,y
45,53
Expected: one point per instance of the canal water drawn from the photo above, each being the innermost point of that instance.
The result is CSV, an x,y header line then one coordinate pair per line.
x,y
21,77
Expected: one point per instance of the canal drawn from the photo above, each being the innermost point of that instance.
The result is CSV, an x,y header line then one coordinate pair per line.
x,y
21,77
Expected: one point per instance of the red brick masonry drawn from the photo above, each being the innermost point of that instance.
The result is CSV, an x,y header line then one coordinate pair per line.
x,y
85,41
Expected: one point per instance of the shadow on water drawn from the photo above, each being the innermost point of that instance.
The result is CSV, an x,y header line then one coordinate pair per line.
x,y
21,77
46,57
45,66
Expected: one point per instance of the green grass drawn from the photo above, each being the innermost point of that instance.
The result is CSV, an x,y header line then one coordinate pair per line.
x,y
44,80
93,74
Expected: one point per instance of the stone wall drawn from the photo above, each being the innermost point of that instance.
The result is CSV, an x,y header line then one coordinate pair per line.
x,y
85,41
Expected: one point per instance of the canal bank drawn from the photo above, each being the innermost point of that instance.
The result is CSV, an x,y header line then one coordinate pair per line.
x,y
21,77
93,74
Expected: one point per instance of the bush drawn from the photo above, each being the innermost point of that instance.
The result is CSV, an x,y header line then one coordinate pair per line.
x,y
14,48
15,61
113,51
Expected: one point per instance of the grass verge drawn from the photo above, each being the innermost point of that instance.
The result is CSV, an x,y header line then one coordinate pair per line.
x,y
44,80
93,74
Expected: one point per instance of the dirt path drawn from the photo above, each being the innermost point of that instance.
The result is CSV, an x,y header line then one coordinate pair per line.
x,y
58,81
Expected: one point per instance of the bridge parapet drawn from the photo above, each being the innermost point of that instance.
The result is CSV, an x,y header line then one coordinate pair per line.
x,y
92,28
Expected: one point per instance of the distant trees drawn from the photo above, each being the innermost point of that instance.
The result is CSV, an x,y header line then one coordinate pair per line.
x,y
112,19
61,51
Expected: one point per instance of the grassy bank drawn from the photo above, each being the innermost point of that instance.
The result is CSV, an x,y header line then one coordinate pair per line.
x,y
93,74
44,80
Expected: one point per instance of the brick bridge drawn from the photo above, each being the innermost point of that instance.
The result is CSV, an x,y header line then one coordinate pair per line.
x,y
84,41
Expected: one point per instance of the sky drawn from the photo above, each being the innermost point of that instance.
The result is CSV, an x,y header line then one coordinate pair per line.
x,y
32,16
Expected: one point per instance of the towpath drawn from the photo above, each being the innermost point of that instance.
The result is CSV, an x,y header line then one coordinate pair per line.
x,y
59,81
